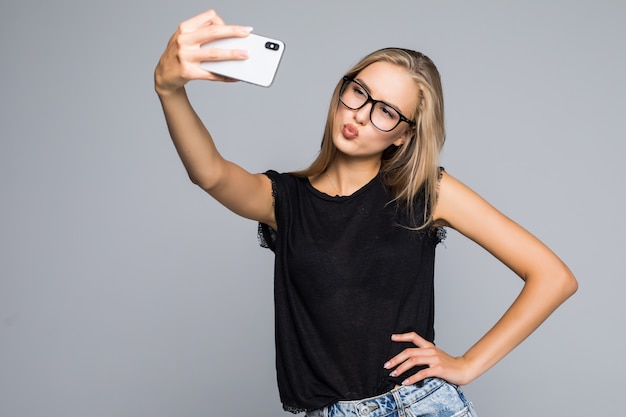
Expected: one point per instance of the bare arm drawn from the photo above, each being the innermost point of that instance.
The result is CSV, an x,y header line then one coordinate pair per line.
x,y
547,283
246,194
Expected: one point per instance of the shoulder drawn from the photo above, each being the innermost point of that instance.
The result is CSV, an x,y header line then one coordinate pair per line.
x,y
287,189
283,181
456,201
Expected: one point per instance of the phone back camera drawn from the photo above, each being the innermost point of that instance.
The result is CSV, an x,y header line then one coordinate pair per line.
x,y
271,45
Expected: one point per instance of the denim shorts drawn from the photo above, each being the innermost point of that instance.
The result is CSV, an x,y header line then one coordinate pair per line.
x,y
433,398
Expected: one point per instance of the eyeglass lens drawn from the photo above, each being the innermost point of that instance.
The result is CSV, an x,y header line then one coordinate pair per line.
x,y
383,116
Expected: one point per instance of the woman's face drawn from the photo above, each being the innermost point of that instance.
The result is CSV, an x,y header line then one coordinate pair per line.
x,y
353,131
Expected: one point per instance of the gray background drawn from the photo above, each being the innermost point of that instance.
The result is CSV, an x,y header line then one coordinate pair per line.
x,y
126,291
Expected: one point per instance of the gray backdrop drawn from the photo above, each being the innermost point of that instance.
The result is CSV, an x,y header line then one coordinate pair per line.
x,y
126,291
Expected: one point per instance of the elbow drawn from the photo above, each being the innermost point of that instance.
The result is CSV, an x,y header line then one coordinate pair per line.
x,y
567,283
198,180
205,179
205,183
558,283
572,284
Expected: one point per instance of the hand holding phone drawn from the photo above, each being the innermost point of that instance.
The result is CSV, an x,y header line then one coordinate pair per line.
x,y
264,56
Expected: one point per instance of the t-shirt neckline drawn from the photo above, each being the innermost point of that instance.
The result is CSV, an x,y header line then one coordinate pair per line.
x,y
329,197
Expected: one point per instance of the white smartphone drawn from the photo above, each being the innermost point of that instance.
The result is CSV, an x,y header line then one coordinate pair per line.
x,y
264,55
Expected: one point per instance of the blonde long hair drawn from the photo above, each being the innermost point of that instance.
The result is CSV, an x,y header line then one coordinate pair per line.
x,y
413,166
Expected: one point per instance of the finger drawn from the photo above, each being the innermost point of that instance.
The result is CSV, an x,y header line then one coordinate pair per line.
x,y
210,33
418,376
201,74
412,337
187,62
213,54
419,357
203,19
216,77
400,358
227,79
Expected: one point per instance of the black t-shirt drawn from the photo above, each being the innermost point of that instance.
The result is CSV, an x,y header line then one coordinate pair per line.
x,y
347,276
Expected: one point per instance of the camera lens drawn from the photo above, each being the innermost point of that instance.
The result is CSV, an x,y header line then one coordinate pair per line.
x,y
271,45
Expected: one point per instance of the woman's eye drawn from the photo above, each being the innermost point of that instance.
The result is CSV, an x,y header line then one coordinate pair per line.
x,y
388,112
358,91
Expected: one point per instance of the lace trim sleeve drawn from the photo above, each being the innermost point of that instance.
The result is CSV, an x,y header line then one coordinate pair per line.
x,y
265,234
439,232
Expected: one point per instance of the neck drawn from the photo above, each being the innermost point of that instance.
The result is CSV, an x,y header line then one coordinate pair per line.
x,y
344,177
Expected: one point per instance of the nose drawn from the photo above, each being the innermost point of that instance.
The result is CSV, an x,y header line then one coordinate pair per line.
x,y
362,115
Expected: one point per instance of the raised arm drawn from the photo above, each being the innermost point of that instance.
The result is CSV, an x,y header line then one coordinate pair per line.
x,y
547,283
246,194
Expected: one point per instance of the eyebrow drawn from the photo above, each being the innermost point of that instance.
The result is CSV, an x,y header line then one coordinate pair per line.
x,y
364,84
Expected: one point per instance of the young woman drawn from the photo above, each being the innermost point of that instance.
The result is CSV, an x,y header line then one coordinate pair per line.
x,y
354,237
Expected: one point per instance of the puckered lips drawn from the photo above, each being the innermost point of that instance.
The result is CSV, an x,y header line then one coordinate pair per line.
x,y
350,131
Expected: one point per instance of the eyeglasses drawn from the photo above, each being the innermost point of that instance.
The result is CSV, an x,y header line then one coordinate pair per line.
x,y
383,116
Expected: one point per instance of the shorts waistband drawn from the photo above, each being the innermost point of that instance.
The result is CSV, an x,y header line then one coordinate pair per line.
x,y
397,398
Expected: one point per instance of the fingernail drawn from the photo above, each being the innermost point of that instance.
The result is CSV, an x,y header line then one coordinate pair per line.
x,y
243,54
393,374
246,29
405,382
387,365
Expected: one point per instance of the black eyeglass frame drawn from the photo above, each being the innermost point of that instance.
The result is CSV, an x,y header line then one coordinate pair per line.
x,y
403,118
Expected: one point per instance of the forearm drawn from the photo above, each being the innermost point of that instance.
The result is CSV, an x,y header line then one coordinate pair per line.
x,y
249,195
548,282
540,296
191,139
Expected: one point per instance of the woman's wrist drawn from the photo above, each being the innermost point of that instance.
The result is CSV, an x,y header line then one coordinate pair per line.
x,y
165,92
471,370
